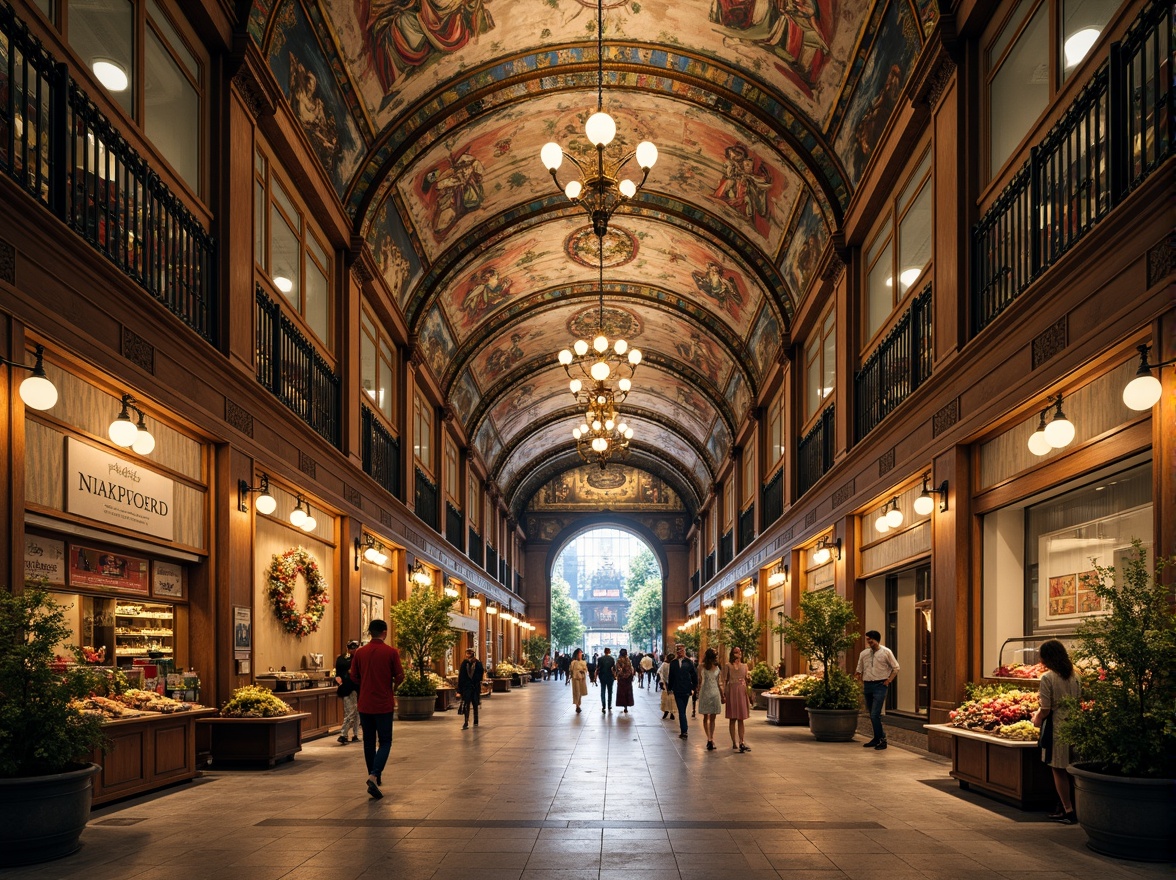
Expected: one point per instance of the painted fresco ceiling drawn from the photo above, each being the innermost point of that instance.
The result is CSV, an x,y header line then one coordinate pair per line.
x,y
427,117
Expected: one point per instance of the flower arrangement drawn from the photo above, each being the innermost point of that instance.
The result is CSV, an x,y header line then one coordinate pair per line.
x,y
998,710
283,574
437,681
505,669
794,685
252,701
416,685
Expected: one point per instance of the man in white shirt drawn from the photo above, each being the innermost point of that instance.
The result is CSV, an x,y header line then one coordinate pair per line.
x,y
876,669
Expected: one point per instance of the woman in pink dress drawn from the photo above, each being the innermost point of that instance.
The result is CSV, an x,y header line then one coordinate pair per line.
x,y
736,705
624,680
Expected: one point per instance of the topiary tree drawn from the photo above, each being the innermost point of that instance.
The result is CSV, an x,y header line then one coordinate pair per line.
x,y
740,629
534,647
423,629
821,633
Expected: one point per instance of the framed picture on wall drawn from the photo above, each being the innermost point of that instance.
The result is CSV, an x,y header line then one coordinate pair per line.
x,y
378,608
242,629
167,580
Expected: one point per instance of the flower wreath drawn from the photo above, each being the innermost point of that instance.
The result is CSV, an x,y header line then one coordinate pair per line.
x,y
283,574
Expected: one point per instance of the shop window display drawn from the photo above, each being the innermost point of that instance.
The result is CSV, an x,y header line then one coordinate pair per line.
x,y
1039,559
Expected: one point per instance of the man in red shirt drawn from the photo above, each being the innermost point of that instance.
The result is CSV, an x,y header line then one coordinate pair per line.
x,y
376,670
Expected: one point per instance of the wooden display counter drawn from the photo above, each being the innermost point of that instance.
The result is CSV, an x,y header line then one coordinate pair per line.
x,y
146,753
322,707
787,710
253,740
1008,770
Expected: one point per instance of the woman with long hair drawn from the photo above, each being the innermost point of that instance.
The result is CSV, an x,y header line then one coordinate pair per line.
x,y
735,697
1059,682
710,697
624,680
578,675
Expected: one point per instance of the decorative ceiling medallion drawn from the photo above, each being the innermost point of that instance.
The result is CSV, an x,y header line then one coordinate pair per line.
x,y
609,478
617,323
620,246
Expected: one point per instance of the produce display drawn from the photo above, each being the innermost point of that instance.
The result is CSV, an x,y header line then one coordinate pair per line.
x,y
103,706
793,685
1019,670
999,712
252,701
149,701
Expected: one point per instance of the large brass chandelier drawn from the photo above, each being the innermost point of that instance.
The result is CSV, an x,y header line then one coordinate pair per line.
x,y
600,190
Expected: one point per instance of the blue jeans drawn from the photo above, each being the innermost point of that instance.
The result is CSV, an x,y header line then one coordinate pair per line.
x,y
683,702
875,693
376,726
606,691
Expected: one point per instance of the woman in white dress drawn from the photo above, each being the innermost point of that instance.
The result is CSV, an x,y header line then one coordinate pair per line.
x,y
578,673
710,697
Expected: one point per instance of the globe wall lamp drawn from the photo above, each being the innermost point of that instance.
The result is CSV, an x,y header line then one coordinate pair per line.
x,y
824,550
37,391
924,504
890,517
779,575
749,590
370,550
1141,394
127,433
266,503
475,602
303,519
727,602
420,575
1057,434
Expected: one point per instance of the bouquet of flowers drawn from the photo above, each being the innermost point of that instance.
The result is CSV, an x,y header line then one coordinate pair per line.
x,y
794,685
994,708
252,701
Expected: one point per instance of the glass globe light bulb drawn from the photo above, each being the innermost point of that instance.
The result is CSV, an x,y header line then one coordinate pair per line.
x,y
894,517
881,525
634,356
144,442
646,155
821,556
38,392
1060,431
565,357
122,430
581,347
266,503
609,424
1141,394
629,434
599,445
575,385
924,504
573,189
551,155
297,516
625,384
600,343
596,425
600,129
584,428
308,524
622,428
576,433
600,371
628,188
1038,445
620,346
282,283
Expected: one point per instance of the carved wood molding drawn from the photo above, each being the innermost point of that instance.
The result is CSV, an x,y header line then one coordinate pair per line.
x,y
1161,261
843,494
7,262
253,78
788,533
307,465
945,418
833,268
810,518
238,417
886,462
138,350
353,495
1051,342
385,518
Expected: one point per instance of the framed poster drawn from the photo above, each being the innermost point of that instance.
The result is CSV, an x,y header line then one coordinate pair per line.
x,y
378,608
107,570
44,559
242,629
167,580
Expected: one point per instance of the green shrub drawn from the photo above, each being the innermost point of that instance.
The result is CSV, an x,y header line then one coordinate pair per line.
x,y
416,685
762,676
836,691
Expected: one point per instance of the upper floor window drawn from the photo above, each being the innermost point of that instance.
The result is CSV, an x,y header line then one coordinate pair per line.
x,y
1026,64
148,68
422,432
376,366
892,270
472,503
820,365
774,445
729,502
289,252
451,482
748,493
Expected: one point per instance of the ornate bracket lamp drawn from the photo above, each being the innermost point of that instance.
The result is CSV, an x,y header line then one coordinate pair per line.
x,y
419,575
600,191
1057,434
266,503
824,550
749,590
370,550
924,504
1141,394
302,518
124,432
779,575
475,601
727,602
889,518
37,391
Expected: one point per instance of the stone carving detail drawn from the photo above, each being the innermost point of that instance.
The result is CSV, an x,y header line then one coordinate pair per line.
x,y
238,417
353,496
1053,341
843,494
385,518
7,262
138,350
945,418
1161,261
360,272
306,464
939,80
810,518
886,462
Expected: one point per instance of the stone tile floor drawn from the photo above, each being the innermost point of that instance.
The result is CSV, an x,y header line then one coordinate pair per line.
x,y
539,793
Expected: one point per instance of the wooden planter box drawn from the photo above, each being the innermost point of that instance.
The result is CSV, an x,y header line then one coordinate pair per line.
x,y
323,705
146,753
445,699
500,685
1007,770
254,740
786,711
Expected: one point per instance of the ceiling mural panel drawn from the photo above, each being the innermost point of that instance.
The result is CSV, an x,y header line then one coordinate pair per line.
x,y
765,341
616,487
807,239
465,397
436,342
392,247
739,397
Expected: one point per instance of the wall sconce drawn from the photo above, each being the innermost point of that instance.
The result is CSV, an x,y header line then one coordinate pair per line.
x,y
779,575
890,517
924,504
302,518
475,602
491,609
370,550
126,433
450,590
1142,393
824,550
711,611
727,602
1056,435
749,590
420,575
266,503
37,391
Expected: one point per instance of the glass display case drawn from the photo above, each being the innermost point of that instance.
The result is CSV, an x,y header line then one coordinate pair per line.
x,y
1019,659
142,630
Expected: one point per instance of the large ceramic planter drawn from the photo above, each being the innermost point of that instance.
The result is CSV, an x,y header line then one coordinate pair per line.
x,y
758,701
42,817
415,708
1125,817
833,725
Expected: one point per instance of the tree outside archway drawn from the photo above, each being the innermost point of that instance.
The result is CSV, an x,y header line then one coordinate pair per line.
x,y
567,629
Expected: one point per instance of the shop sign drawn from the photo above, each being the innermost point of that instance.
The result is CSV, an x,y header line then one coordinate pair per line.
x,y
464,622
44,559
107,570
167,580
118,492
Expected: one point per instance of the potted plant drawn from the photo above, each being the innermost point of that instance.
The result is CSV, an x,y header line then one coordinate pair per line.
x,y
254,726
423,630
534,648
1124,727
45,742
822,634
760,680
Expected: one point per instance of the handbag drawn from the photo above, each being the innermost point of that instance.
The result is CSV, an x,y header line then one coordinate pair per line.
x,y
1045,739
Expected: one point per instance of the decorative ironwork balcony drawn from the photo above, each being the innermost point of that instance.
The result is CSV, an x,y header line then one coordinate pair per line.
x,y
425,500
381,453
772,496
899,365
747,527
814,453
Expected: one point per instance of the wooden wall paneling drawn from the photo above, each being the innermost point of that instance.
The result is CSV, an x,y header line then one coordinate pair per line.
x,y
12,465
949,244
350,292
237,298
1164,442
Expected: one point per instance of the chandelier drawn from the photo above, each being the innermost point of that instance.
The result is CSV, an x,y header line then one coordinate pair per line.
x,y
603,435
600,191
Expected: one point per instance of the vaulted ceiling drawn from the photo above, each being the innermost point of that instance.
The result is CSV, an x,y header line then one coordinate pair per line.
x,y
428,117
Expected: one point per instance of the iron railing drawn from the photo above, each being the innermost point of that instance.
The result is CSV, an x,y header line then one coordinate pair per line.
x,y
814,453
772,498
381,452
899,365
475,551
64,152
747,527
708,567
502,572
425,500
293,370
695,582
454,526
1118,131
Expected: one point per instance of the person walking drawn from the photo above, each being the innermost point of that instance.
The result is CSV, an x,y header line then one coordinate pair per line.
x,y
663,682
606,675
737,704
647,670
1059,682
876,669
546,667
376,671
578,673
710,695
565,662
683,683
469,686
349,692
625,675
592,669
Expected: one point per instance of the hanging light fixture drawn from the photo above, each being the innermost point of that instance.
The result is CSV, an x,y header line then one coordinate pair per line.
x,y
1141,394
451,591
125,432
491,609
370,550
600,189
894,517
924,504
298,515
37,391
749,590
420,575
309,522
266,503
1060,430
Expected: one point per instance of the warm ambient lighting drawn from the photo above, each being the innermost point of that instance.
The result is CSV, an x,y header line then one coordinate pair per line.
x,y
370,550
727,602
420,575
890,517
1141,394
1078,44
111,74
126,433
298,515
266,503
1058,433
282,283
37,391
711,611
475,602
924,504
824,550
491,609
749,591
451,592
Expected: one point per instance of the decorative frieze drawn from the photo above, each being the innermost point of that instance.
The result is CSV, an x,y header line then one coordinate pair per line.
x,y
1161,261
886,462
385,518
1052,342
7,262
138,350
307,465
810,518
353,496
946,417
843,494
238,418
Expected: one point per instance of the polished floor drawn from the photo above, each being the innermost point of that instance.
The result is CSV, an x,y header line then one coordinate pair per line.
x,y
539,793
